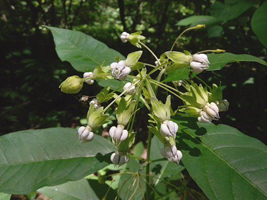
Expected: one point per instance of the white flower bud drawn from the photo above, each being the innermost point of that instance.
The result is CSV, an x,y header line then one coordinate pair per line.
x,y
157,63
200,62
95,103
169,128
118,134
130,87
223,105
85,133
89,76
125,37
120,70
212,110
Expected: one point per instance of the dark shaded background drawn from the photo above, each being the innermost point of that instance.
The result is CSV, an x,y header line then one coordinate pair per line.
x,y
31,71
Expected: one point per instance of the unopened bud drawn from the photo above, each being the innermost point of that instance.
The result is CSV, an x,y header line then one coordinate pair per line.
x,y
85,133
169,129
117,159
223,105
130,88
72,85
171,153
125,37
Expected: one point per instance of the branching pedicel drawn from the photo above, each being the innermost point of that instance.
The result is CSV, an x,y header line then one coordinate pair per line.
x,y
204,103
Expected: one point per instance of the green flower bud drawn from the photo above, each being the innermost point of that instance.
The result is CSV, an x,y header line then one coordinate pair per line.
x,y
96,117
161,111
72,85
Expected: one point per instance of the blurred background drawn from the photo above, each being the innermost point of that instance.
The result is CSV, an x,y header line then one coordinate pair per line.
x,y
31,71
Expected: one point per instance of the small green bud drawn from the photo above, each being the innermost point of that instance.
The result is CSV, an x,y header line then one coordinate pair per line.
x,y
124,111
161,111
72,85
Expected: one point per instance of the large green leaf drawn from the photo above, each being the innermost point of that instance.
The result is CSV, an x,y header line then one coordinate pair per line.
x,y
225,163
229,11
81,50
72,190
259,23
218,61
35,158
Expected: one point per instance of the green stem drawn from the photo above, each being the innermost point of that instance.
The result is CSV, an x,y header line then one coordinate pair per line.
x,y
150,51
148,165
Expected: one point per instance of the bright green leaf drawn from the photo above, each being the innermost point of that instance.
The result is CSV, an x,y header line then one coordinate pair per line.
x,y
81,50
229,12
218,61
139,149
225,163
35,158
259,23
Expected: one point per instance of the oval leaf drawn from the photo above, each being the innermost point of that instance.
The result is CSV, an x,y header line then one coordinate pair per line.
x,y
35,158
225,163
259,23
78,190
132,58
81,50
218,61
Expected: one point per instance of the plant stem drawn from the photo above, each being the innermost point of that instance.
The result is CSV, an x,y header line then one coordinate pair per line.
x,y
148,165
149,51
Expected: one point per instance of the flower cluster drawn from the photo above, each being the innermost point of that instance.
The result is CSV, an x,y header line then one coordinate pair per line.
x,y
203,103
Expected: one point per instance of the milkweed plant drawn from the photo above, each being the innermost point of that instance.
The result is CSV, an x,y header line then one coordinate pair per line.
x,y
140,87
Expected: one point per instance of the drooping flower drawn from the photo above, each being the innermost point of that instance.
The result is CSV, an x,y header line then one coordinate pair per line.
x,y
118,134
171,153
85,133
118,159
199,63
125,37
120,70
129,88
169,128
88,76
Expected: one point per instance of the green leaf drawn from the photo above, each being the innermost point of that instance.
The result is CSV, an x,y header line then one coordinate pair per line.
x,y
218,61
259,23
81,50
4,196
179,74
70,190
200,19
112,83
215,31
104,95
229,12
225,163
32,159
133,58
